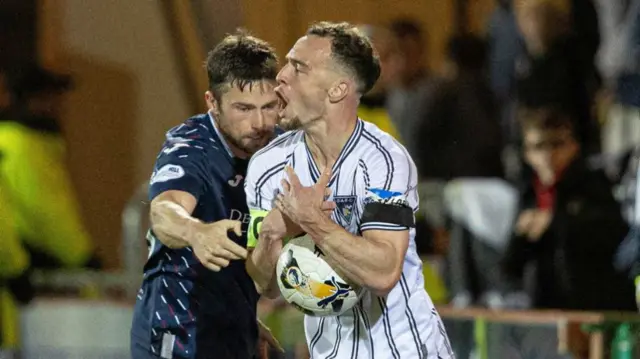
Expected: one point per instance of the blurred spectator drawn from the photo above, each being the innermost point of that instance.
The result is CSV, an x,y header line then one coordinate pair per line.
x,y
569,225
460,133
619,62
413,85
373,103
557,68
504,42
40,200
481,212
627,259
585,31
14,260
47,215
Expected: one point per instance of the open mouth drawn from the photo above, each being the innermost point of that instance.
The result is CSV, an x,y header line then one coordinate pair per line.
x,y
283,102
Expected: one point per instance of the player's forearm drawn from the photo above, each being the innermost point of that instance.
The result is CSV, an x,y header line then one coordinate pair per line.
x,y
366,263
262,271
261,264
262,267
264,280
172,224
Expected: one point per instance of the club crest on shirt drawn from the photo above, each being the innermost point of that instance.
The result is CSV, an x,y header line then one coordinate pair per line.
x,y
345,206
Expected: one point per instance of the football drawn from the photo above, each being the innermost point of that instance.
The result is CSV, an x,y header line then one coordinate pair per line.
x,y
309,283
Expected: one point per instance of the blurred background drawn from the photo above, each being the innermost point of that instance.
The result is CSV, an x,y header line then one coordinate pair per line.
x,y
523,118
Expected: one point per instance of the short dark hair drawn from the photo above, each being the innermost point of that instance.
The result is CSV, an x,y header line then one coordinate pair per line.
x,y
404,28
545,119
238,60
351,49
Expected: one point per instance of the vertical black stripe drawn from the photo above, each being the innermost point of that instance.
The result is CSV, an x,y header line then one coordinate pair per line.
x,y
273,144
412,322
356,336
349,147
344,153
385,154
387,329
442,331
313,169
409,178
354,182
356,207
367,327
336,346
445,337
367,181
317,336
263,180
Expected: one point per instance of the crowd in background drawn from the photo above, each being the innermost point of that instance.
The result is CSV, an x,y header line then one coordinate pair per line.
x,y
525,146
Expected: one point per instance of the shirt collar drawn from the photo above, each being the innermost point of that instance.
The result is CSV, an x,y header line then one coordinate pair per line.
x,y
222,140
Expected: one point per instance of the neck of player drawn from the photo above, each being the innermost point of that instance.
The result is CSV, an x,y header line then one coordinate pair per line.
x,y
237,152
327,136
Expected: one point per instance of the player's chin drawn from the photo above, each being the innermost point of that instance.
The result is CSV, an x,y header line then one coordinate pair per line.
x,y
254,144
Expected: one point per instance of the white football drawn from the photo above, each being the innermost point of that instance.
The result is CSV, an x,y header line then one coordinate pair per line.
x,y
309,283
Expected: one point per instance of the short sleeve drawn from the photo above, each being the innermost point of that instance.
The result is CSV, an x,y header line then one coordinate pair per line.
x,y
181,166
391,197
261,187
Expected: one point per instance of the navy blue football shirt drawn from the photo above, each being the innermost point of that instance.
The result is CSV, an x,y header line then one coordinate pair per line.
x,y
184,310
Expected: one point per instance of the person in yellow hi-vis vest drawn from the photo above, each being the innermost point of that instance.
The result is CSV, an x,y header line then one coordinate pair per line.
x,y
372,104
41,205
14,261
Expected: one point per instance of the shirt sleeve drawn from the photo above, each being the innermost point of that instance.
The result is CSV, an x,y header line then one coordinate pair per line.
x,y
391,197
261,186
181,166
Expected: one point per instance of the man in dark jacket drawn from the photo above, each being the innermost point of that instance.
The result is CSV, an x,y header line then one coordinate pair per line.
x,y
569,224
460,135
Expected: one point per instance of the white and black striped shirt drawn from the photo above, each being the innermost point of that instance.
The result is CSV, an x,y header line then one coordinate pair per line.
x,y
372,167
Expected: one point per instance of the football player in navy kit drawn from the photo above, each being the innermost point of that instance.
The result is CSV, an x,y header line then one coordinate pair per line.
x,y
196,299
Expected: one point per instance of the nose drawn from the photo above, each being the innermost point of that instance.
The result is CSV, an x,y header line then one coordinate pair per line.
x,y
282,76
259,121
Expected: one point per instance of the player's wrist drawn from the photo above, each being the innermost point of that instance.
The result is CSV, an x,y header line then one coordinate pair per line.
x,y
317,226
194,230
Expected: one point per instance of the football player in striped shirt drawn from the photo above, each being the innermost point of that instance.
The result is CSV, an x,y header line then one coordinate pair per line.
x,y
370,235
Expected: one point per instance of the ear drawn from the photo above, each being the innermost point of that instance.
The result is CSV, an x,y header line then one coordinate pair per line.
x,y
212,103
338,91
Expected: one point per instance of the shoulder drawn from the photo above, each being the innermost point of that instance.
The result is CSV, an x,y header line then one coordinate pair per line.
x,y
380,147
276,152
193,137
193,129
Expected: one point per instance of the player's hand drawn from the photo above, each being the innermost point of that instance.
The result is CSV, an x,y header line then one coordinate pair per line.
x,y
213,247
281,226
301,204
277,225
266,340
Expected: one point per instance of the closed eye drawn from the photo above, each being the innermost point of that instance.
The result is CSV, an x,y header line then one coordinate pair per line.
x,y
271,105
243,107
